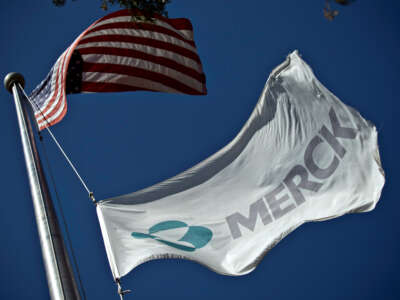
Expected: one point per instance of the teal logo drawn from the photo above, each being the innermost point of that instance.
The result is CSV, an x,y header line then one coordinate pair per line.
x,y
177,234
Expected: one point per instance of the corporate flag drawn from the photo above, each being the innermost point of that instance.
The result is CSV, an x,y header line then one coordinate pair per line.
x,y
116,54
302,156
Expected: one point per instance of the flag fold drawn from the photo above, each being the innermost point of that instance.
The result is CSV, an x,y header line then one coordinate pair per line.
x,y
302,156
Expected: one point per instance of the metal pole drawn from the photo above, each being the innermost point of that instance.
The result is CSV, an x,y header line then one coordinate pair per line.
x,y
60,278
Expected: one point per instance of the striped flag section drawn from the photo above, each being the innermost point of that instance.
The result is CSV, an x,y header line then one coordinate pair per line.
x,y
116,54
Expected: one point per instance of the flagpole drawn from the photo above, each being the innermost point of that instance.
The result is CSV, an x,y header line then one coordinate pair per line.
x,y
60,277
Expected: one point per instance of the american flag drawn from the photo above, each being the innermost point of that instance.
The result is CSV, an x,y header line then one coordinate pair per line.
x,y
117,54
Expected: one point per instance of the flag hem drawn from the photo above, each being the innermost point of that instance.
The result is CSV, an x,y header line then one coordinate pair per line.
x,y
107,244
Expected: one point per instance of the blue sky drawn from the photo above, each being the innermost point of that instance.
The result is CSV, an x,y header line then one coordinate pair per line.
x,y
123,142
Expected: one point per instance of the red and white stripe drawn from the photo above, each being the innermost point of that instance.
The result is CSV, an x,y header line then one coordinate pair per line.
x,y
121,55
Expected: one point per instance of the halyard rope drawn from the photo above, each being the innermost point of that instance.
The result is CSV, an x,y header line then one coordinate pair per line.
x,y
91,196
121,292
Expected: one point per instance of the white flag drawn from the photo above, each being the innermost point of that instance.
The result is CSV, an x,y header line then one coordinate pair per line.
x,y
302,156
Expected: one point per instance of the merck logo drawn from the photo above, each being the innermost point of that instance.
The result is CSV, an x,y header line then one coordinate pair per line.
x,y
177,234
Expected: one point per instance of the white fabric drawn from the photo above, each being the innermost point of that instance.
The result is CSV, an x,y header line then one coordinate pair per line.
x,y
302,156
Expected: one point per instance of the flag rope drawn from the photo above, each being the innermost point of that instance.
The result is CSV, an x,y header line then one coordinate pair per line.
x,y
90,193
121,292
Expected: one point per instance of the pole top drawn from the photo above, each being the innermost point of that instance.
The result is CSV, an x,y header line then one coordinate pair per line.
x,y
13,78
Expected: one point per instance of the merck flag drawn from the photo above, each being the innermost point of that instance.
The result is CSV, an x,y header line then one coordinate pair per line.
x,y
302,156
116,54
